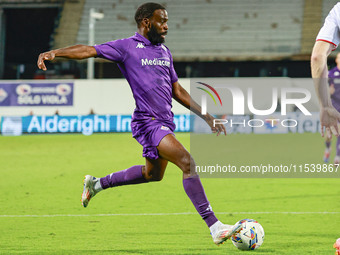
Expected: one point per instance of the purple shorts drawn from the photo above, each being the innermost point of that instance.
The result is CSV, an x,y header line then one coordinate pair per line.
x,y
149,134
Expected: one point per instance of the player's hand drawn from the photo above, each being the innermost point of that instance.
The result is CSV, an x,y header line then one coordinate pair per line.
x,y
329,118
49,55
218,128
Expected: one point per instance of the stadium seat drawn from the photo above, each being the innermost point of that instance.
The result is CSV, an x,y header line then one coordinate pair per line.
x,y
209,29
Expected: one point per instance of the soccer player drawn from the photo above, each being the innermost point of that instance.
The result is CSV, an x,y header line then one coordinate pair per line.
x,y
326,41
148,67
334,90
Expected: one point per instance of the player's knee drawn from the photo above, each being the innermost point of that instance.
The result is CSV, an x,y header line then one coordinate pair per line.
x,y
318,57
153,178
185,163
314,58
156,178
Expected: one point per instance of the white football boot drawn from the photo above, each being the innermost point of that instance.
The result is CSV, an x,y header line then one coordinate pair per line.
x,y
337,160
225,232
88,191
326,155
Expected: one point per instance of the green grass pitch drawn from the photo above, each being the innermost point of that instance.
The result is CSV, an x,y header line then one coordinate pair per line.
x,y
41,212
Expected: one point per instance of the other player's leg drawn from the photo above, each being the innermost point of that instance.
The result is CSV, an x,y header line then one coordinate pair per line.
x,y
172,150
337,156
327,152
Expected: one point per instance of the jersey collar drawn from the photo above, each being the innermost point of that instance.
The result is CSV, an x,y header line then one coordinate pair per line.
x,y
144,40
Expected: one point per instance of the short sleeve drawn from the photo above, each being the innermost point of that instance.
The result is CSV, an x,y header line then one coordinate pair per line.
x,y
113,50
173,74
330,31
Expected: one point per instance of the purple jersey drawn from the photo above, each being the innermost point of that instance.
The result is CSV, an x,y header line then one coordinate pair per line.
x,y
334,78
150,72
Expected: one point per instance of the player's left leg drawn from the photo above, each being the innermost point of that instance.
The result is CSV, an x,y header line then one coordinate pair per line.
x,y
93,185
172,150
152,171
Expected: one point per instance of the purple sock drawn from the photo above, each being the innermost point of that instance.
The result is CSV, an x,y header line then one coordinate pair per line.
x,y
132,175
194,189
328,145
338,146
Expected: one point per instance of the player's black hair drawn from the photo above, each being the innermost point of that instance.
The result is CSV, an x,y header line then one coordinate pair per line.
x,y
146,11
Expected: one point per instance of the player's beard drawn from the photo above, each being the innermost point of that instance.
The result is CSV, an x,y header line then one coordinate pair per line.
x,y
155,37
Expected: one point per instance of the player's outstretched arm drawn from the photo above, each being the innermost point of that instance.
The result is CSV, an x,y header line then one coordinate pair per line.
x,y
183,97
329,116
72,52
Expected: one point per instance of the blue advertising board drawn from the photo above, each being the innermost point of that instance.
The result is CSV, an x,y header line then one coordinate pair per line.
x,y
85,124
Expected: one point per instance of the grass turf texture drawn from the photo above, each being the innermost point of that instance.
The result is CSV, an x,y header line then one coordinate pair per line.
x,y
42,175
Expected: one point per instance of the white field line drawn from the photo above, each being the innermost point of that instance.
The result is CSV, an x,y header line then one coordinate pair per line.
x,y
149,214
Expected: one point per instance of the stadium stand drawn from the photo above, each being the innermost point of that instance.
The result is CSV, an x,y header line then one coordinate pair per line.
x,y
312,19
225,29
66,33
327,5
245,35
30,1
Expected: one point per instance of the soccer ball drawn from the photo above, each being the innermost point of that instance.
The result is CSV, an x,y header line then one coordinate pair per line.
x,y
250,237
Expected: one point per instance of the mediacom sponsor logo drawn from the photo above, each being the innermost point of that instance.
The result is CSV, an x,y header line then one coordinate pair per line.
x,y
156,62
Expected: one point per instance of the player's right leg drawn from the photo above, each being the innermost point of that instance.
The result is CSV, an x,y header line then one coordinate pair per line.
x,y
152,171
172,150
